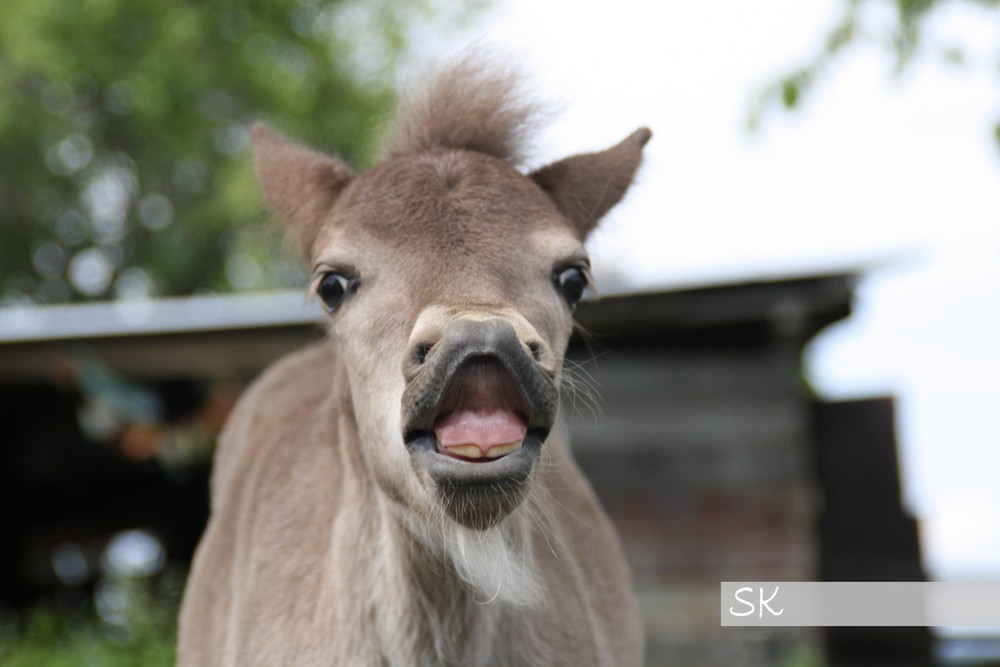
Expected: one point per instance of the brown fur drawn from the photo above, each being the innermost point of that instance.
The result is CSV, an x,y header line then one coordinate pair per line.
x,y
492,116
328,543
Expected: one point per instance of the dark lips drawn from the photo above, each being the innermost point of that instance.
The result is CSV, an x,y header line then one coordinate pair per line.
x,y
452,472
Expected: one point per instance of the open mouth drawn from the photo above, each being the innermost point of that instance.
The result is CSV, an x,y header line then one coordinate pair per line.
x,y
482,415
475,413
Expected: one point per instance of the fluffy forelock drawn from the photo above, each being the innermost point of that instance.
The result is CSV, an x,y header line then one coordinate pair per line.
x,y
477,103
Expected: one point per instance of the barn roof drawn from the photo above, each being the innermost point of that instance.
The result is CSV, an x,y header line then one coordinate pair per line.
x,y
240,333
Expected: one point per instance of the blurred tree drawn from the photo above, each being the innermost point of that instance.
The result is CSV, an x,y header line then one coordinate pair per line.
x,y
124,142
901,38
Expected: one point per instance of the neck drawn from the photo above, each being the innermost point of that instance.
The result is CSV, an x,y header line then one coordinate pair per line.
x,y
412,593
426,591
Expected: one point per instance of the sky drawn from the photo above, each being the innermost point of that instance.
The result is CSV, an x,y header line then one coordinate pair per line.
x,y
895,174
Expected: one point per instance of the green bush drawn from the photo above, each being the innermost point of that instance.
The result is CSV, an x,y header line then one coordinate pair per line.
x,y
143,635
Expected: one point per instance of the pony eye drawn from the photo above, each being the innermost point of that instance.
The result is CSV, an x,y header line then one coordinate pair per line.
x,y
334,287
571,282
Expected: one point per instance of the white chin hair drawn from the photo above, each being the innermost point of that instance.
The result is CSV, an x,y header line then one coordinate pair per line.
x,y
496,563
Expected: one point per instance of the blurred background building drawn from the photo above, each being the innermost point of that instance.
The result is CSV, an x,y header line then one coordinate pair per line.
x,y
689,415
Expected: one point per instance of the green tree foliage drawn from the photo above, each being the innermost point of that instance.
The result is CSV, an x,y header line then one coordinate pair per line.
x,y
124,138
901,42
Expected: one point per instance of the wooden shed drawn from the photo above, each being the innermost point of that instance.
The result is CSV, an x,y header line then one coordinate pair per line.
x,y
691,419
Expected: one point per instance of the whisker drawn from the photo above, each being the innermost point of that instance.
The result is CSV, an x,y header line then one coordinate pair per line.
x,y
581,389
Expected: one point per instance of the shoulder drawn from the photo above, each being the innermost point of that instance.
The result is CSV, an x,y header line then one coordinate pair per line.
x,y
301,376
280,406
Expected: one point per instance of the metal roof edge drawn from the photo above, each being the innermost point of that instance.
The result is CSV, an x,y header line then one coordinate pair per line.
x,y
693,305
160,316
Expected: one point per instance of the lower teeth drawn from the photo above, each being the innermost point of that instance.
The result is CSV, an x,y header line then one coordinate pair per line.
x,y
473,451
502,450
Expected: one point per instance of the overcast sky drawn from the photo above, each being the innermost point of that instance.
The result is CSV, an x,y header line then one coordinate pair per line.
x,y
876,169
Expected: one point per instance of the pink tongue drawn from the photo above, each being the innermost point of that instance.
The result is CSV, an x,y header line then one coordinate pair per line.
x,y
484,428
480,409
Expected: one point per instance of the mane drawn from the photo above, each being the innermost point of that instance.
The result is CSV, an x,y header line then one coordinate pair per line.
x,y
475,104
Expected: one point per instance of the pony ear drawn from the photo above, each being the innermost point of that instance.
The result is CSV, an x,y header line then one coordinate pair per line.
x,y
585,187
299,185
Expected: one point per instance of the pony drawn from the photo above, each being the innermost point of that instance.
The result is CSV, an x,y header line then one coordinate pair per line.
x,y
403,492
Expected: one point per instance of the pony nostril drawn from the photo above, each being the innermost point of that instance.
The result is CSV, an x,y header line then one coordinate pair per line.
x,y
420,353
536,350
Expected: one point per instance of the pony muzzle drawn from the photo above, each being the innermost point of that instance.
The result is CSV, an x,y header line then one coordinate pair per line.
x,y
475,417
